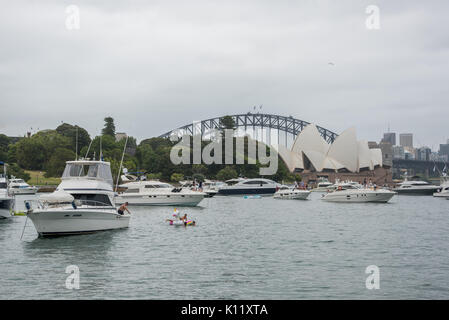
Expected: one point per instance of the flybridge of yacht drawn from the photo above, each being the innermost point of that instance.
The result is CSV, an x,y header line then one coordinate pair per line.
x,y
99,170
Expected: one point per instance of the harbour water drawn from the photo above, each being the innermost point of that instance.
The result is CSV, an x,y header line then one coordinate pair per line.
x,y
241,249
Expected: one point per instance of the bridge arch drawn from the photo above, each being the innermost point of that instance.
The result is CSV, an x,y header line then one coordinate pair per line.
x,y
288,125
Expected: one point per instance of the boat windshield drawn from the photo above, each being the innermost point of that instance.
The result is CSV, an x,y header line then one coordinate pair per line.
x,y
95,171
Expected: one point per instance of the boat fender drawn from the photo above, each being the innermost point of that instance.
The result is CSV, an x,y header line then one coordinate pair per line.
x,y
74,205
27,205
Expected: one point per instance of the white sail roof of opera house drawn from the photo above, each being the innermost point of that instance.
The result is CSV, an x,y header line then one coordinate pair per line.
x,y
311,152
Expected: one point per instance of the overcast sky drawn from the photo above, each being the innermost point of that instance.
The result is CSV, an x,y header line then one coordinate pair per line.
x,y
156,65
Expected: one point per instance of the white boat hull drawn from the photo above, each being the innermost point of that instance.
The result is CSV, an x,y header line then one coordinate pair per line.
x,y
441,194
5,208
359,196
23,190
55,222
292,195
173,199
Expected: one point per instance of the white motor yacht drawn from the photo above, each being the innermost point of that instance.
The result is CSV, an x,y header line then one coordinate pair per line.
x,y
324,186
6,201
444,192
19,186
248,186
82,203
416,187
285,192
156,193
353,193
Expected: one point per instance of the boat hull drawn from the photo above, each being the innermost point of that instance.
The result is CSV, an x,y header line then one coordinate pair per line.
x,y
292,195
76,221
423,192
243,191
441,194
183,200
19,191
5,208
338,196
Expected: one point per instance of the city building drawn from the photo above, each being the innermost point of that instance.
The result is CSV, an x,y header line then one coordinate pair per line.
x,y
444,150
119,136
406,140
390,137
423,153
398,152
387,153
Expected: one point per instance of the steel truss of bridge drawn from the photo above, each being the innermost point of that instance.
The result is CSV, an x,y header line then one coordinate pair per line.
x,y
289,125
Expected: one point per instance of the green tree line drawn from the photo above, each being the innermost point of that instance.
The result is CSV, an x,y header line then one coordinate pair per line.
x,y
48,150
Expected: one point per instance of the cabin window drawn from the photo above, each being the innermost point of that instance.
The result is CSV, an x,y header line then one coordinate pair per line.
x,y
93,199
255,182
3,185
132,191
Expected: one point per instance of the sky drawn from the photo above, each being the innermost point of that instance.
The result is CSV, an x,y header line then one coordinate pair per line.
x,y
158,65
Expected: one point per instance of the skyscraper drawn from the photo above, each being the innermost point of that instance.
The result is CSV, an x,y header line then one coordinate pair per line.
x,y
406,140
390,137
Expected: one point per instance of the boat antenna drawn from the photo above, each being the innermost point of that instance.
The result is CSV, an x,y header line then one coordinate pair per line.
x,y
76,147
121,163
101,151
88,149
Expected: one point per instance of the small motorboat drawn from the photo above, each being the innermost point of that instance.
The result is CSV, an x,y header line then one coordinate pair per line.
x,y
352,193
287,193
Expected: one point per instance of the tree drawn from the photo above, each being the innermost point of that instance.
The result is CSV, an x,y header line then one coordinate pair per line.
x,y
226,122
4,143
109,127
30,154
176,177
226,173
18,172
56,164
70,131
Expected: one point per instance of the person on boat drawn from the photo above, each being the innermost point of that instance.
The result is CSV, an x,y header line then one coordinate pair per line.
x,y
122,208
184,217
200,186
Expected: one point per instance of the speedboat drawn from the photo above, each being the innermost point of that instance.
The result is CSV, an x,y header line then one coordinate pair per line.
x,y
323,186
82,203
6,201
156,193
19,186
416,188
354,193
285,192
248,186
444,192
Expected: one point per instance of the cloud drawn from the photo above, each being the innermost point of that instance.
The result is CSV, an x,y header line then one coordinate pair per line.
x,y
157,65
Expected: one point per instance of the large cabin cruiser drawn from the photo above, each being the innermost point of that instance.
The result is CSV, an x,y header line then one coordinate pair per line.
x,y
416,188
6,201
249,186
19,186
156,193
285,192
82,203
352,193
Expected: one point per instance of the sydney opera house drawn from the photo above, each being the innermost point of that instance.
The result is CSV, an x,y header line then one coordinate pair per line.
x,y
345,158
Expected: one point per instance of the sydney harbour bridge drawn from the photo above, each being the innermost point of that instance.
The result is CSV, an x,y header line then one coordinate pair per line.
x,y
261,126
